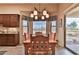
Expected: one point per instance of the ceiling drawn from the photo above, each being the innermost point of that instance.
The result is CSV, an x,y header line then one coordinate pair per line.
x,y
73,13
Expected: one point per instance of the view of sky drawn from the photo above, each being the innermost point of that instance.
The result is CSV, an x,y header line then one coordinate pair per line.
x,y
39,24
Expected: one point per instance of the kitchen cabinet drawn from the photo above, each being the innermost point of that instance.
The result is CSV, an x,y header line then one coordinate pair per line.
x,y
6,19
12,40
9,20
9,39
2,40
1,19
14,20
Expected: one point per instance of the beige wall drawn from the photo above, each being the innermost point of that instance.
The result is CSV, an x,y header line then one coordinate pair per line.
x,y
17,8
62,9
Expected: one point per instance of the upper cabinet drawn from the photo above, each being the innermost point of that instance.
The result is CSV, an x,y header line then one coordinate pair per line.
x,y
1,19
6,19
9,20
14,20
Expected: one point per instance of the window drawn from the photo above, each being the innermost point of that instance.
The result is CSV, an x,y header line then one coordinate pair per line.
x,y
53,28
39,26
24,24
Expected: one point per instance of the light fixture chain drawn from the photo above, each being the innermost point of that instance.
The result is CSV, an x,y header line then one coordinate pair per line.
x,y
39,7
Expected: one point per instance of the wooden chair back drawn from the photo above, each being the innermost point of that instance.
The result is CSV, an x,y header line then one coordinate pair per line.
x,y
38,33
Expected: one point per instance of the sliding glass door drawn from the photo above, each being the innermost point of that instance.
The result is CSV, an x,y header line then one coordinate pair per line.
x,y
72,34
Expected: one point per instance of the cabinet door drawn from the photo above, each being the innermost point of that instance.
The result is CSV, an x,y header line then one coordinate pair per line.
x,y
3,39
10,40
6,19
13,39
1,19
16,39
14,20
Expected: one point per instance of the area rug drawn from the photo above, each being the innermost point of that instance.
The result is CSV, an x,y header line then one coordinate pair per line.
x,y
2,52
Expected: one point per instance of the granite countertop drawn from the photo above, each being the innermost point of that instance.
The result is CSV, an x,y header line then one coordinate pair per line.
x,y
9,31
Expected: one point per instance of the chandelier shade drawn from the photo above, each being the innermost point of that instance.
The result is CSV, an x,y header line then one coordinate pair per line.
x,y
36,17
31,15
35,12
44,12
47,15
42,17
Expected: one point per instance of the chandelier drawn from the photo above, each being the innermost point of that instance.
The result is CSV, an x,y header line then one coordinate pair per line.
x,y
39,14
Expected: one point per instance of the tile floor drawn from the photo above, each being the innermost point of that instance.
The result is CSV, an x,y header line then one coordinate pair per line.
x,y
74,48
62,51
19,50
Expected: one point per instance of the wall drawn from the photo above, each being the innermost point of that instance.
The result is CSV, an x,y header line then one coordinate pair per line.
x,y
17,8
62,9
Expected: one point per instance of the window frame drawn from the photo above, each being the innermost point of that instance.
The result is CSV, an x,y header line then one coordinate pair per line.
x,y
54,26
25,26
